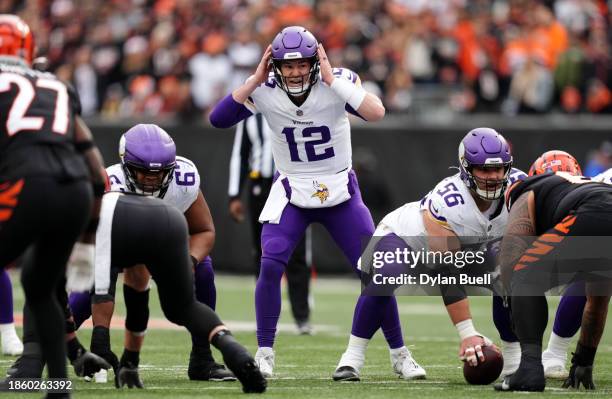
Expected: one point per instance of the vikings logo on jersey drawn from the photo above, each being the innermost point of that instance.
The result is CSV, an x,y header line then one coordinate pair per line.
x,y
321,191
182,191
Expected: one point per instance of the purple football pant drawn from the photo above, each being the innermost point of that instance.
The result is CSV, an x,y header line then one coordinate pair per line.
x,y
6,298
569,312
349,224
204,278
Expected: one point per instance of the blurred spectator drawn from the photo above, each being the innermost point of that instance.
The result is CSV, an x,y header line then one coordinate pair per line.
x,y
473,50
600,160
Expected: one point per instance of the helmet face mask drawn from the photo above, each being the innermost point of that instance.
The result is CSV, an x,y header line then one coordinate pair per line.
x,y
295,44
485,148
148,159
16,38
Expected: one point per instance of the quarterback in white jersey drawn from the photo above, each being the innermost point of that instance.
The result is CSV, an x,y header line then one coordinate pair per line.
x,y
306,104
149,166
463,212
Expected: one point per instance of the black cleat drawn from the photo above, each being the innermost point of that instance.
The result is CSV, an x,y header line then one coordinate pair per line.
x,y
346,373
26,366
209,371
527,379
250,377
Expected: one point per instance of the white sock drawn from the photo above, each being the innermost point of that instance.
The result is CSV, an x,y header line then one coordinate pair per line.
x,y
397,351
511,348
558,346
356,349
7,328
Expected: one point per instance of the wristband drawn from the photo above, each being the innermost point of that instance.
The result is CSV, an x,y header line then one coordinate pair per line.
x,y
351,94
466,329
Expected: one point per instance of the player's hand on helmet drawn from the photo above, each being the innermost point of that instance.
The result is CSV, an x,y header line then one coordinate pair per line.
x,y
236,210
326,70
127,374
80,268
580,375
264,67
471,349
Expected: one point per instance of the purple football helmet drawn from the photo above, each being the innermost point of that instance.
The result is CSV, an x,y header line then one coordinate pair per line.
x,y
484,147
295,43
148,149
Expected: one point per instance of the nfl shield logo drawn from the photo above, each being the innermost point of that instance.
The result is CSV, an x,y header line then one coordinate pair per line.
x,y
299,112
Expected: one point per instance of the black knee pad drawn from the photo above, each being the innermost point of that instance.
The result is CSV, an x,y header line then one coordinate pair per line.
x,y
137,309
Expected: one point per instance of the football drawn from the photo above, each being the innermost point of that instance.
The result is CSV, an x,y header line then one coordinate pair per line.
x,y
486,372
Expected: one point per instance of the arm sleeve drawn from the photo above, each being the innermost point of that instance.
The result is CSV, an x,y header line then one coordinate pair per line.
x,y
228,112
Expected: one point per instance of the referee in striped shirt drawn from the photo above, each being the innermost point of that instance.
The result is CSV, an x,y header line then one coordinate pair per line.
x,y
252,161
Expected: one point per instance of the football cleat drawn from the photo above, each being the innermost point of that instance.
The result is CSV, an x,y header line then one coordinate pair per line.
x,y
89,363
264,359
528,378
11,344
304,327
349,367
406,367
346,373
209,371
26,366
250,376
554,366
511,352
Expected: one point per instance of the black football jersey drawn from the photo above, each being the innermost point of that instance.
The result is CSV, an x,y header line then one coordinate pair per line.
x,y
557,195
37,113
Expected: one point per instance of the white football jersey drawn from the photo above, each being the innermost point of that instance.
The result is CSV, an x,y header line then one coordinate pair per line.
x,y
183,189
451,204
313,139
604,177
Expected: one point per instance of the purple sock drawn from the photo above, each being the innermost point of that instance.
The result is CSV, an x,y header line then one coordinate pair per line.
x,y
6,298
502,320
391,326
204,277
368,315
569,312
80,305
268,300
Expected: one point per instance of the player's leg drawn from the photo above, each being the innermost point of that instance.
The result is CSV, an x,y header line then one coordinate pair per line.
x,y
171,269
511,349
277,243
80,305
202,365
11,344
67,209
567,323
298,284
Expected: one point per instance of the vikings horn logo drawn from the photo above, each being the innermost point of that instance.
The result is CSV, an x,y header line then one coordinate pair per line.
x,y
322,192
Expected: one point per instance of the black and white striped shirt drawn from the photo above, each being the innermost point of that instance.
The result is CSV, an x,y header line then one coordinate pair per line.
x,y
251,153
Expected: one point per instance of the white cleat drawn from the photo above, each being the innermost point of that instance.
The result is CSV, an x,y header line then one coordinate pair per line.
x,y
511,351
264,358
11,344
406,367
554,365
349,367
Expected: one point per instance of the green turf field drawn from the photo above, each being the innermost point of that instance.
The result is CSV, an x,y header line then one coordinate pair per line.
x,y
304,363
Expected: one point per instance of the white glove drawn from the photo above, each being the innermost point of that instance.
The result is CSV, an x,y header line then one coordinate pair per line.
x,y
80,268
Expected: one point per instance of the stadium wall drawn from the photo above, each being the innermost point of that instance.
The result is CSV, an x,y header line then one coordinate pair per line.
x,y
402,163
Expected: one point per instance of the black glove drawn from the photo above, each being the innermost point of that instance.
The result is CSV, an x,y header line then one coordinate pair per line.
x,y
128,375
580,375
89,363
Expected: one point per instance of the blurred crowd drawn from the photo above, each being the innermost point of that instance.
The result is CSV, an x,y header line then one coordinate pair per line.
x,y
176,58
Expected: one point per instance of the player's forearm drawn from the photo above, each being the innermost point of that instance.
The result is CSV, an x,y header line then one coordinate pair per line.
x,y
594,320
201,244
371,108
459,311
228,112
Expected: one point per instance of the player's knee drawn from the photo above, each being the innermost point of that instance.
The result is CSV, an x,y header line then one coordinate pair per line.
x,y
137,277
175,314
137,309
277,248
205,270
271,269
